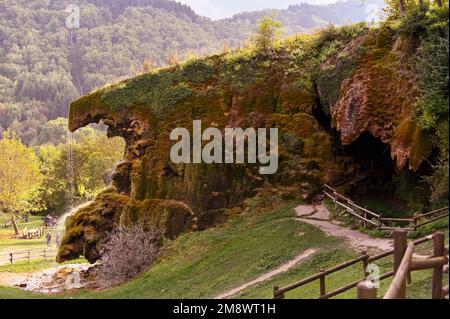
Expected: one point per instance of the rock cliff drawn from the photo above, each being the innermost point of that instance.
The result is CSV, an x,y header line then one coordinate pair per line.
x,y
355,82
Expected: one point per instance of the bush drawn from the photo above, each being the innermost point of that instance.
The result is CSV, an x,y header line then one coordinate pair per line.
x,y
268,34
128,252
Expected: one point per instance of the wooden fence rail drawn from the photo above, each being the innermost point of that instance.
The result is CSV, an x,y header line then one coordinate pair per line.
x,y
405,263
29,255
377,220
364,259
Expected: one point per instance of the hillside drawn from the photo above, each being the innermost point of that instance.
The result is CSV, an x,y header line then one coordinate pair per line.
x,y
209,263
342,100
38,79
360,114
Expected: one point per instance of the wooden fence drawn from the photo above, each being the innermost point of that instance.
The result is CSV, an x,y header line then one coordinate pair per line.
x,y
371,219
364,259
405,263
28,255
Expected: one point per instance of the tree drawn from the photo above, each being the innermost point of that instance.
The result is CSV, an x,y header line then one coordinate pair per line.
x,y
173,59
401,7
267,34
19,177
94,157
433,105
148,66
398,8
54,132
226,48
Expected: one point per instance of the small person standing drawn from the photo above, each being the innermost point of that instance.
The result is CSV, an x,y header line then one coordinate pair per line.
x,y
49,238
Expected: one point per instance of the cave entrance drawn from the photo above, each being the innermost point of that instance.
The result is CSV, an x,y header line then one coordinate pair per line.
x,y
321,114
372,156
374,176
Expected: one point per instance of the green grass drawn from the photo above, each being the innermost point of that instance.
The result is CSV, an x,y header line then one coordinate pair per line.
x,y
15,293
7,243
204,264
33,222
419,289
385,205
349,221
36,265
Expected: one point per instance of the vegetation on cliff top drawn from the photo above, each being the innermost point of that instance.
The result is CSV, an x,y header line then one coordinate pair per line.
x,y
42,70
269,78
206,264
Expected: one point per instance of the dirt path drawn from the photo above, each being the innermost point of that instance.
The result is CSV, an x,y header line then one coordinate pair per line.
x,y
283,268
47,281
319,215
8,279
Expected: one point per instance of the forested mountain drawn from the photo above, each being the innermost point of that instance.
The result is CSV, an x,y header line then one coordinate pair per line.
x,y
43,66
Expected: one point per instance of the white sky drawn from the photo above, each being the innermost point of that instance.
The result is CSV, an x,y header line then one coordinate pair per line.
x,y
217,9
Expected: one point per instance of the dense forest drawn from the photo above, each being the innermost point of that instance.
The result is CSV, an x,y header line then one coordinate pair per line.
x,y
43,67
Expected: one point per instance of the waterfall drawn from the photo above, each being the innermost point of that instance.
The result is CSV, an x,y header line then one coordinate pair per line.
x,y
71,185
62,220
74,56
71,170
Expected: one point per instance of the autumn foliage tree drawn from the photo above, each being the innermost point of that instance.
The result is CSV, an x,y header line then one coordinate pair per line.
x,y
20,177
94,156
148,65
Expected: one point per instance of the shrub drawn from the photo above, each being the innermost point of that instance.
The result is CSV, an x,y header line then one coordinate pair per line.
x,y
268,34
128,252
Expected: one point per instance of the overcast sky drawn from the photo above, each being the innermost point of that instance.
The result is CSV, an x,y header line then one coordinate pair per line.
x,y
217,9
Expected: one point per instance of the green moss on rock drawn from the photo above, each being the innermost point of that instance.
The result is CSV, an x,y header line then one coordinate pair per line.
x,y
240,89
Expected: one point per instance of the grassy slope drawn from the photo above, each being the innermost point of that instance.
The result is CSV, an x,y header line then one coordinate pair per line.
x,y
207,263
36,265
441,224
13,293
420,288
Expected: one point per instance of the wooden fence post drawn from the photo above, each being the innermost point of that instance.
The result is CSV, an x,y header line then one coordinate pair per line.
x,y
438,271
276,295
322,284
28,256
365,263
45,254
365,223
11,258
400,243
415,218
366,290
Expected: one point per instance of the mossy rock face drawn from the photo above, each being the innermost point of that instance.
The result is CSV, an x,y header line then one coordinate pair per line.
x,y
376,94
412,145
360,83
88,228
169,216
